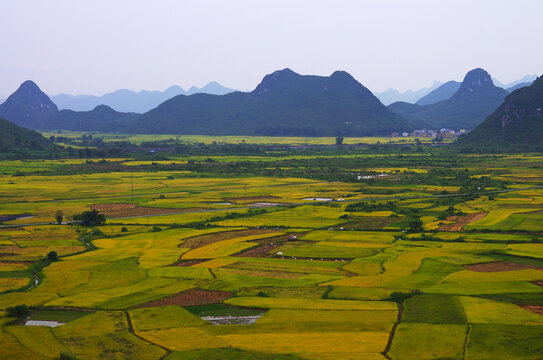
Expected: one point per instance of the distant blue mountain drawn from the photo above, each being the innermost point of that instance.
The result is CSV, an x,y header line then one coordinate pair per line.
x,y
390,96
443,92
517,84
131,101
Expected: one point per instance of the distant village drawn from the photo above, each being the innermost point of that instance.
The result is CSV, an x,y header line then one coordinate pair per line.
x,y
442,133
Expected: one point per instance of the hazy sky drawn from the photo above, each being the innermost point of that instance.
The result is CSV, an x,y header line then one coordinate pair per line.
x,y
95,46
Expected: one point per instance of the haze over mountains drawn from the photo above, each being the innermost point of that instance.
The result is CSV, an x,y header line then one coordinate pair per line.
x,y
283,104
390,96
131,101
441,91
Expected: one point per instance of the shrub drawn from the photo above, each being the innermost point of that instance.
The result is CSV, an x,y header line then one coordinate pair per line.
x,y
67,356
52,256
416,225
18,311
124,229
399,297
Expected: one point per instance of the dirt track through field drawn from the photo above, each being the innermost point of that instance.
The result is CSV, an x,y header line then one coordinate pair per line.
x,y
461,221
121,210
500,266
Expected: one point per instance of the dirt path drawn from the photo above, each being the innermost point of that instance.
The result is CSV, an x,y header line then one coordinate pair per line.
x,y
461,221
133,332
392,332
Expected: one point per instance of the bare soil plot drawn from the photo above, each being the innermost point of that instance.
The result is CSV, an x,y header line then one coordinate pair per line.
x,y
190,298
190,262
368,223
533,308
500,266
118,210
266,246
461,221
199,241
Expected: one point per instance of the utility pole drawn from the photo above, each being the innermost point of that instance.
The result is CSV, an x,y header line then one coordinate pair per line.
x,y
132,189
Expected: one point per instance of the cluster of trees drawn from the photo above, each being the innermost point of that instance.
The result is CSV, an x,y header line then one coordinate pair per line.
x,y
90,218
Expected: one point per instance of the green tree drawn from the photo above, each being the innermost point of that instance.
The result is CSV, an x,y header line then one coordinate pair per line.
x,y
90,218
18,311
339,140
59,215
52,256
416,225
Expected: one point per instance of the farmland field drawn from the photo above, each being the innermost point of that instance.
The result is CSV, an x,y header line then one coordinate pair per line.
x,y
360,252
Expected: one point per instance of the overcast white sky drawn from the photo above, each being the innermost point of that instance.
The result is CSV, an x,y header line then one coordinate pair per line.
x,y
93,47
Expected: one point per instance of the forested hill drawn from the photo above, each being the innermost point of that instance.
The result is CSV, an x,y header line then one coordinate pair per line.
x,y
13,137
101,118
517,122
476,98
284,103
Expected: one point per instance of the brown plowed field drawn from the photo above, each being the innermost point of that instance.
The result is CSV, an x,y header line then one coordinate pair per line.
x,y
190,262
203,240
266,246
126,210
499,266
533,308
190,298
461,221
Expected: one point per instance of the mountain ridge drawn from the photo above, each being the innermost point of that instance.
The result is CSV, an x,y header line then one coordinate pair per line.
x,y
283,103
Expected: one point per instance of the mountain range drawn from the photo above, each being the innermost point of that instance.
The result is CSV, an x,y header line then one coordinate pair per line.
x,y
474,100
130,101
517,84
518,121
284,103
441,91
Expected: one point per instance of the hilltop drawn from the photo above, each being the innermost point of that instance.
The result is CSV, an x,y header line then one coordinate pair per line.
x,y
28,106
474,100
284,103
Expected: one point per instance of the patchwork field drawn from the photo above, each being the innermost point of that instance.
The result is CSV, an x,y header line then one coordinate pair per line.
x,y
441,258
